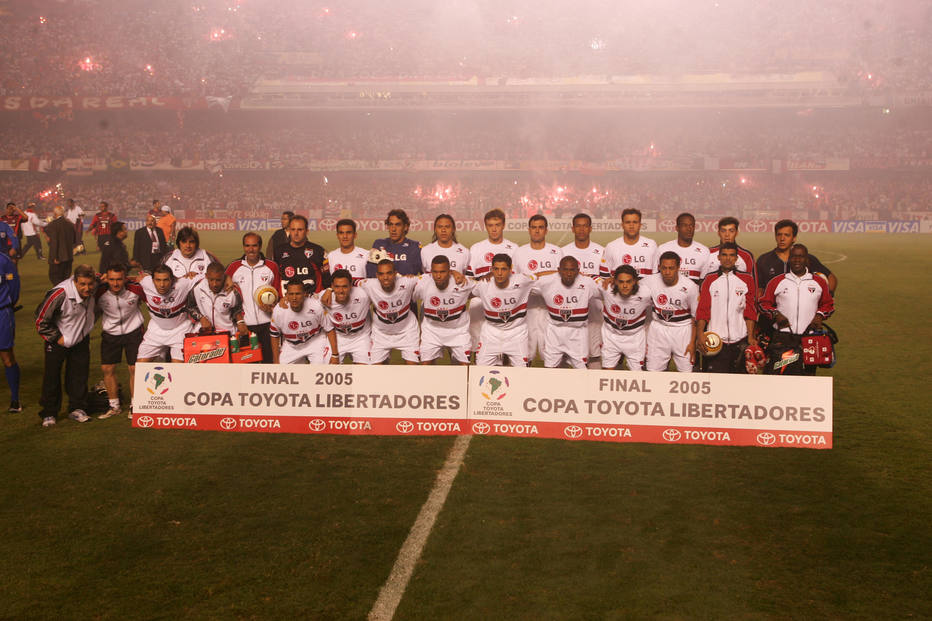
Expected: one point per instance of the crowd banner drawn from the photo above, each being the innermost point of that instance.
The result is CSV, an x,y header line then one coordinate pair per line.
x,y
325,399
661,408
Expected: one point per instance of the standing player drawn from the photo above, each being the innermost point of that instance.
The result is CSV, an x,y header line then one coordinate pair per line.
x,y
445,322
251,272
302,259
102,224
188,258
624,310
302,332
566,295
537,258
215,308
630,249
772,264
794,302
121,332
480,262
728,307
348,257
348,309
406,253
165,295
694,257
589,254
64,320
503,334
728,233
444,242
31,226
672,330
75,215
9,296
395,326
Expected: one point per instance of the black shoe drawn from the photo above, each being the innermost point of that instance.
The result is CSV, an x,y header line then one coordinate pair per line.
x,y
15,407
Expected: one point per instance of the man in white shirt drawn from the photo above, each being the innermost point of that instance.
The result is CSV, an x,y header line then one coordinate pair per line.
x,y
694,257
537,258
589,254
31,225
348,257
444,243
631,248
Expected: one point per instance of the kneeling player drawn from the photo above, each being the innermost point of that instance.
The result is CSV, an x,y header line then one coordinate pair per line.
x,y
348,309
446,322
566,295
395,326
302,332
672,330
503,332
624,311
165,295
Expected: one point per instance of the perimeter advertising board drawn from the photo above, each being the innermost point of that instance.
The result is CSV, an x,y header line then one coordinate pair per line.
x,y
376,400
662,408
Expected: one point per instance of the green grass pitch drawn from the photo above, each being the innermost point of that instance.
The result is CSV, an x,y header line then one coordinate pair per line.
x,y
104,521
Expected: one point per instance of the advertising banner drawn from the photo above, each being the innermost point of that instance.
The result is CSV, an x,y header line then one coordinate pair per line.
x,y
662,408
114,102
209,224
877,226
370,400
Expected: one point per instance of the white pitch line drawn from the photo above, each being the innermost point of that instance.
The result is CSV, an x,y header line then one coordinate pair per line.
x,y
841,256
410,553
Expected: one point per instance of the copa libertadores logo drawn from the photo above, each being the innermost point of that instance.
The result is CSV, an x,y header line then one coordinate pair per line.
x,y
158,381
494,385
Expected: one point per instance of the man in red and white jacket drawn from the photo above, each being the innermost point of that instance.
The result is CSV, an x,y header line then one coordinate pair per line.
x,y
214,307
250,273
795,302
727,306
64,320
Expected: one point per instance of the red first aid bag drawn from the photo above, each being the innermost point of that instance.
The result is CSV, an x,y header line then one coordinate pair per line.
x,y
818,350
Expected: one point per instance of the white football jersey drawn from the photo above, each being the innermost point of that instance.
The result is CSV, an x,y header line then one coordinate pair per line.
x,y
642,256
393,313
676,305
590,257
353,261
626,313
694,259
444,308
481,253
166,312
527,260
458,254
298,327
505,307
567,306
351,318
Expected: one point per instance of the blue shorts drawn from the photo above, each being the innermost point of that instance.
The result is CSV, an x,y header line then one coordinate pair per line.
x,y
7,328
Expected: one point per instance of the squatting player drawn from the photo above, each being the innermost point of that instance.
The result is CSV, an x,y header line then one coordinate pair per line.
x,y
672,330
446,322
566,295
214,307
589,254
625,305
537,258
165,296
395,325
348,309
503,330
481,255
301,331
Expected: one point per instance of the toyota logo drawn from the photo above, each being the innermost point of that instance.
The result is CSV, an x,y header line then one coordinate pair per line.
x,y
756,226
573,432
667,225
404,426
327,224
227,423
672,435
481,428
317,425
766,439
145,421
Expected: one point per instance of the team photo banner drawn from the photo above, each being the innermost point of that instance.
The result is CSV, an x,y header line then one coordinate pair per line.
x,y
344,399
661,408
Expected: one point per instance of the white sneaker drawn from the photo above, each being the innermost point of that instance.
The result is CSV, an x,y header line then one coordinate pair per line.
x,y
129,413
111,412
79,416
49,421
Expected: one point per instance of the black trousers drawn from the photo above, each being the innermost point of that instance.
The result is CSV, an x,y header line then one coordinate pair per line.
x,y
729,360
76,360
32,241
265,340
59,271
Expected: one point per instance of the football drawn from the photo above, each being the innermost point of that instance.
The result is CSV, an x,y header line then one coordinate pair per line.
x,y
266,295
712,342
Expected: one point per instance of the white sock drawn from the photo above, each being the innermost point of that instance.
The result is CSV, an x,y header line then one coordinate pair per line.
x,y
114,403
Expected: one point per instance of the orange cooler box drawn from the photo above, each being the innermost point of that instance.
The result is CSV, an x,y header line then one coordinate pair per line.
x,y
201,348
